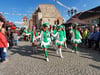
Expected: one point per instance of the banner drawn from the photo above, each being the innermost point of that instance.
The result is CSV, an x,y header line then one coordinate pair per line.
x,y
62,4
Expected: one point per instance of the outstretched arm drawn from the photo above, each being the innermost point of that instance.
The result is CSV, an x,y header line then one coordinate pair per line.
x,y
54,35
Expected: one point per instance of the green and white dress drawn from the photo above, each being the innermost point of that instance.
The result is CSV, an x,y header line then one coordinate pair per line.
x,y
26,33
34,36
44,39
76,36
59,38
54,32
64,33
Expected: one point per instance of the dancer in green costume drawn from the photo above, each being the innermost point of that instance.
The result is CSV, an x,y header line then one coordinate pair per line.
x,y
26,33
34,36
76,37
45,39
59,40
64,33
54,38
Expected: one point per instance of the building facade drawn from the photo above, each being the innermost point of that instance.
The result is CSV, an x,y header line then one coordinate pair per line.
x,y
91,17
46,13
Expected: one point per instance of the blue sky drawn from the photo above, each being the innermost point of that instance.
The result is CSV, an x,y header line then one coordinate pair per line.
x,y
28,7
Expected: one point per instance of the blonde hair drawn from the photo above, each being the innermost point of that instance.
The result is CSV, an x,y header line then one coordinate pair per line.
x,y
3,30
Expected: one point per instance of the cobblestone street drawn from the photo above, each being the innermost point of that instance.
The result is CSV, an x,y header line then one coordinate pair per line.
x,y
23,62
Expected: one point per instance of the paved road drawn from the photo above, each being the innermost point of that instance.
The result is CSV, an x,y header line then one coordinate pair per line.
x,y
23,62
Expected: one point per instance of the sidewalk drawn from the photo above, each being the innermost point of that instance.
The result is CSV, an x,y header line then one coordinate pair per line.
x,y
23,62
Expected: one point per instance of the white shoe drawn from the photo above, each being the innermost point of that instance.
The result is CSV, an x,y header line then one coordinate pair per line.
x,y
66,47
47,59
73,51
62,57
77,52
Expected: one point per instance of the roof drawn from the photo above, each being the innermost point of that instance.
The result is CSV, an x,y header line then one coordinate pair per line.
x,y
48,10
75,20
89,13
25,17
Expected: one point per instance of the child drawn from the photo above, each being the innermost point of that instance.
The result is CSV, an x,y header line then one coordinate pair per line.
x,y
45,39
3,46
34,39
59,40
76,37
15,38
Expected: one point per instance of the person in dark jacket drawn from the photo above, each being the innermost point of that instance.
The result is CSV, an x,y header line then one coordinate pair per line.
x,y
90,38
96,38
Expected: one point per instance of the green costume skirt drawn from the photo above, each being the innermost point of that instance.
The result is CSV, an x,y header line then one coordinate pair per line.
x,y
61,43
44,44
77,41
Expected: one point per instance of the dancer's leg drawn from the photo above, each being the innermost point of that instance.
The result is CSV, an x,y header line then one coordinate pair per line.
x,y
60,51
75,45
46,54
73,48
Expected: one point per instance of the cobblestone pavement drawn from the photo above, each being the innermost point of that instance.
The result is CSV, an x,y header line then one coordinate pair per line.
x,y
23,62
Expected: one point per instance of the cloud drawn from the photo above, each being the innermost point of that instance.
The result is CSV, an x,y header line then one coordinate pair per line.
x,y
74,8
18,22
84,5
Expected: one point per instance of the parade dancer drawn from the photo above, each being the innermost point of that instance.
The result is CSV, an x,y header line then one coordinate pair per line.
x,y
34,39
76,37
26,34
45,39
54,38
59,40
64,33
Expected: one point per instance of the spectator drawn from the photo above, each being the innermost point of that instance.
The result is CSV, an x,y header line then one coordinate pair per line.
x,y
90,37
3,45
11,38
96,38
84,35
99,39
5,49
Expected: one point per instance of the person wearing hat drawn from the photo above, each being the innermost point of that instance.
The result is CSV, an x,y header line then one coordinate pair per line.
x,y
59,39
54,38
45,39
34,36
76,37
64,33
